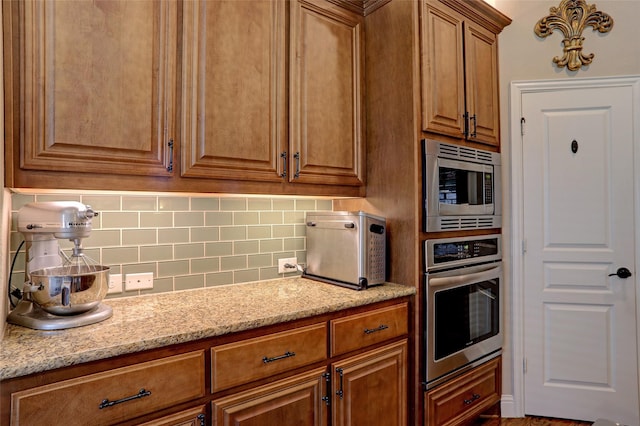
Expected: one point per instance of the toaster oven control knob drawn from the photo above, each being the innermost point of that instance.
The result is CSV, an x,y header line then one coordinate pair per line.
x,y
376,229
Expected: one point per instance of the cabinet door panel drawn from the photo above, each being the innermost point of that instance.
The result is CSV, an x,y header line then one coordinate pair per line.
x,y
443,96
97,80
481,55
233,109
373,386
293,401
327,129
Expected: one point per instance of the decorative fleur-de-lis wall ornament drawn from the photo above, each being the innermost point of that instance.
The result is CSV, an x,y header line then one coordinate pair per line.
x,y
571,17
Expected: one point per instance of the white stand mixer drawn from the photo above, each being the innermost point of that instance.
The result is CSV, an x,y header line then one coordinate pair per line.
x,y
60,291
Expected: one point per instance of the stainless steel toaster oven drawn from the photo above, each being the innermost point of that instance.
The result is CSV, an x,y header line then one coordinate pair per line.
x,y
346,248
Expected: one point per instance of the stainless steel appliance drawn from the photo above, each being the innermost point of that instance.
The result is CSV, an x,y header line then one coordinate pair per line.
x,y
462,305
346,248
60,291
461,187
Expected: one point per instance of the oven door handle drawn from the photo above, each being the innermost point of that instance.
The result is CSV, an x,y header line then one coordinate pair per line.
x,y
481,273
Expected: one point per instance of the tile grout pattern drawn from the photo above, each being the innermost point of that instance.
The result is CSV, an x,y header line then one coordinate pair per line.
x,y
186,240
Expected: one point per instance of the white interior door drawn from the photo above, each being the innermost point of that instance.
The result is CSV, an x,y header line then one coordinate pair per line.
x,y
580,333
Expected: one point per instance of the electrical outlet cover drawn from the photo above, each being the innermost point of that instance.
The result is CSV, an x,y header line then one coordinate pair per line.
x,y
140,281
292,261
115,283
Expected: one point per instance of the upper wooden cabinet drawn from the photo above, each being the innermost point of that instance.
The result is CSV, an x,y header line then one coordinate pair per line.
x,y
90,85
234,89
266,96
327,95
460,70
235,123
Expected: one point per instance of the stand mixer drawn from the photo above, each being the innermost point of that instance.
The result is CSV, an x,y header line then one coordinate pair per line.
x,y
60,291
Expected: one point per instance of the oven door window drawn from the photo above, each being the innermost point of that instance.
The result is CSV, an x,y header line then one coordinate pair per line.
x,y
465,316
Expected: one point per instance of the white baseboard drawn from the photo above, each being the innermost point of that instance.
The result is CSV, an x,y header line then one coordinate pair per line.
x,y
508,407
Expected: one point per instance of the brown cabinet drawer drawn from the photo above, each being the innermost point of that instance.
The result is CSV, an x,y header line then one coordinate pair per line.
x,y
264,356
361,330
164,383
464,397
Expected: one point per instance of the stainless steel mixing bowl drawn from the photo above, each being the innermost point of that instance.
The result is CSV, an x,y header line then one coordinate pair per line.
x,y
64,290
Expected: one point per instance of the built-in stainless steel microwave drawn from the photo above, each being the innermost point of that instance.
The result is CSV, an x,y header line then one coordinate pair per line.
x,y
461,187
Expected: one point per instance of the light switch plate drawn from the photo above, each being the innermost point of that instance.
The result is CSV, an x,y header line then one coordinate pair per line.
x,y
142,281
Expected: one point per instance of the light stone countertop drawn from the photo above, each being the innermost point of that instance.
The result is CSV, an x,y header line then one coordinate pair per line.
x,y
153,321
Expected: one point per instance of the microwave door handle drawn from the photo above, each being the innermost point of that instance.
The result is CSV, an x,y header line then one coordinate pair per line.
x,y
482,275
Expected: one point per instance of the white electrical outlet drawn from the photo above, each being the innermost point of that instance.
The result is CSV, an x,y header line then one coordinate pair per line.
x,y
140,281
288,264
115,283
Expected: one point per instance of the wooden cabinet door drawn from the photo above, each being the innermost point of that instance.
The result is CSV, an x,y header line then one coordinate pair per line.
x,y
90,85
459,76
481,66
326,94
371,388
465,397
442,55
296,400
233,105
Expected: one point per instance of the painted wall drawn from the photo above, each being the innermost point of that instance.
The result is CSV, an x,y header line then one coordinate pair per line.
x,y
524,56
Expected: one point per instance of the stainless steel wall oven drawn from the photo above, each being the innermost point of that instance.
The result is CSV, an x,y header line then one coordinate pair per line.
x,y
463,305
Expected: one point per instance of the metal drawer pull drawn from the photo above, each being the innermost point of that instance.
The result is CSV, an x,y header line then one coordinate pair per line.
x,y
373,330
473,398
287,354
106,403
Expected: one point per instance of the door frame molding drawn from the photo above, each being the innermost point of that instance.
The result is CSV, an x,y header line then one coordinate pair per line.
x,y
513,405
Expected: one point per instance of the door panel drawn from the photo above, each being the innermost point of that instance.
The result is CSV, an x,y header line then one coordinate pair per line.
x,y
233,107
87,103
578,223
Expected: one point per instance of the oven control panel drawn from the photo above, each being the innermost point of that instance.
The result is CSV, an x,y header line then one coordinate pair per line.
x,y
449,252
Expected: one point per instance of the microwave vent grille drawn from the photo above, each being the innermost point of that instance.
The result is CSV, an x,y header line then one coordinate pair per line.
x,y
466,223
462,152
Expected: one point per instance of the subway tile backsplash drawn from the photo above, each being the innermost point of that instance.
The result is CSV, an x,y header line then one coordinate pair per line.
x,y
187,240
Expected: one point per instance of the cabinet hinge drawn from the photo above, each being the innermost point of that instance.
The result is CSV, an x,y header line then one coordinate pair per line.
x,y
522,123
524,366
524,246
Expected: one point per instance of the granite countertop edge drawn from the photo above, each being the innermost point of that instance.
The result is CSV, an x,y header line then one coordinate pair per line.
x,y
154,321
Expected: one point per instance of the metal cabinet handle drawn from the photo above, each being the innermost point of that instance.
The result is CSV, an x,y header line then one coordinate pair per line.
x,y
474,133
473,398
340,392
170,166
283,155
297,158
106,403
287,354
327,379
374,330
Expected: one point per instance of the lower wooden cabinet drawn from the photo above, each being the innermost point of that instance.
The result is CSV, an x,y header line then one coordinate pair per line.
x,y
464,397
371,388
296,400
279,375
113,396
366,389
